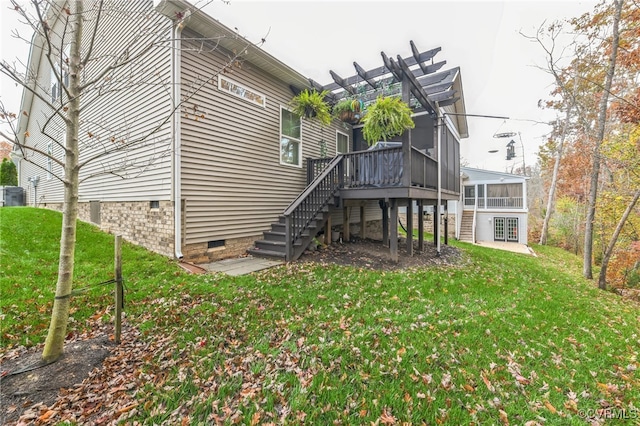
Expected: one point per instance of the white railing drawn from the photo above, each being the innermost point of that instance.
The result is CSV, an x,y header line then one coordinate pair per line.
x,y
495,203
504,202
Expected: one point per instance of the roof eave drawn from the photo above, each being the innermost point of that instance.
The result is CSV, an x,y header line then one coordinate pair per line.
x,y
207,26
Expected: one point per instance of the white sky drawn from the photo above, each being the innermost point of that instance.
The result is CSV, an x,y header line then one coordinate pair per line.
x,y
498,65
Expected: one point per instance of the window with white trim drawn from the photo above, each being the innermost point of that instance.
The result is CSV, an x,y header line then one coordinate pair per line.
x,y
61,68
290,138
342,142
49,160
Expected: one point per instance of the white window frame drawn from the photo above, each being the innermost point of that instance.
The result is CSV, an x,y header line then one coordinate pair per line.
x,y
338,132
240,91
56,86
49,160
299,164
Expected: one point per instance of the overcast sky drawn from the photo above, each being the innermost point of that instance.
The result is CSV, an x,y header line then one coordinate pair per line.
x,y
499,66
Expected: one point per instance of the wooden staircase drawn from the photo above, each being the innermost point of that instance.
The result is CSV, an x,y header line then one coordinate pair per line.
x,y
466,226
290,236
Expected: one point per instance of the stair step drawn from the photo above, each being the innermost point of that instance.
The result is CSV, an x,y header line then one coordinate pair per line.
x,y
278,228
266,253
275,236
279,246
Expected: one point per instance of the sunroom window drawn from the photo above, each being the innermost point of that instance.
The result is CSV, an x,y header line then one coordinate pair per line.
x,y
290,139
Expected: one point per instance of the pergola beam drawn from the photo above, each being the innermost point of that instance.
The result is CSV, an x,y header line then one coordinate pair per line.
x,y
414,86
364,75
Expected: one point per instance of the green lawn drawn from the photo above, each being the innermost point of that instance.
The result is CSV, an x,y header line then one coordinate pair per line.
x,y
503,338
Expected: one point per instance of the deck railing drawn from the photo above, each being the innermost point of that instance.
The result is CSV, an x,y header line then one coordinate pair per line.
x,y
424,169
316,196
380,168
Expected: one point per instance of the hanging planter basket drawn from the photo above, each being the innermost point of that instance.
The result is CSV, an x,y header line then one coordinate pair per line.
x,y
350,117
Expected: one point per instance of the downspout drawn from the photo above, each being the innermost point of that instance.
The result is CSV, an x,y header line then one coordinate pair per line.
x,y
176,139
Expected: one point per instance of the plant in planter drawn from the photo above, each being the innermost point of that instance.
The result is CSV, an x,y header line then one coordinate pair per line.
x,y
348,110
385,118
311,104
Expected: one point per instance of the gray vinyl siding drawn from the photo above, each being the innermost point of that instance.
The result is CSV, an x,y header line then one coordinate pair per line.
x,y
232,181
372,212
125,110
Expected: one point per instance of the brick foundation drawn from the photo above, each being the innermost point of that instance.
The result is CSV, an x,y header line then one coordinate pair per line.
x,y
136,221
199,253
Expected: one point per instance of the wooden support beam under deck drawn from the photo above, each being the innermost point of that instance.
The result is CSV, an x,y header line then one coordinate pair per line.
x,y
420,225
393,247
409,227
327,231
436,226
446,224
346,231
385,223
363,222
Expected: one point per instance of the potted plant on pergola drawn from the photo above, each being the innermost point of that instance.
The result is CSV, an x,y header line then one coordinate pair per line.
x,y
385,118
311,104
348,110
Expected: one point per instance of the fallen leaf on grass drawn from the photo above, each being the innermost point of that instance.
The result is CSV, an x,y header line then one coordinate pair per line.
x,y
503,417
550,407
487,382
387,418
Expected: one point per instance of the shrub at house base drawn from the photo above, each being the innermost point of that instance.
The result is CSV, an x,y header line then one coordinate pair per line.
x,y
8,173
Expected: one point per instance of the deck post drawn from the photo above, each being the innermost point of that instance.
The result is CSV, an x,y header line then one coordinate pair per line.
x,y
409,227
327,230
393,249
385,223
446,224
436,224
346,231
363,221
420,225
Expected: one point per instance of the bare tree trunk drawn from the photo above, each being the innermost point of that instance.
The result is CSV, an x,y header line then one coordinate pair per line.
x,y
587,270
554,177
602,279
54,343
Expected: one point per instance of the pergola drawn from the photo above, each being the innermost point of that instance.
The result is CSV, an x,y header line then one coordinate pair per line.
x,y
421,84
412,77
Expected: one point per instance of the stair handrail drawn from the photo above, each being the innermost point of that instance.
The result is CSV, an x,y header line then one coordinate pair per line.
x,y
325,181
473,224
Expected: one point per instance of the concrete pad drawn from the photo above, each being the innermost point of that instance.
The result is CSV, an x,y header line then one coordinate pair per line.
x,y
513,247
241,265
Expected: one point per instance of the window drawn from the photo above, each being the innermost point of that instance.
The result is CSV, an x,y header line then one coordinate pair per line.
x,y
61,68
49,160
290,139
154,204
342,143
55,87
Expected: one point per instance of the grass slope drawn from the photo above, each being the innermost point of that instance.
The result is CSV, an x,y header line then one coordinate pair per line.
x,y
502,339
